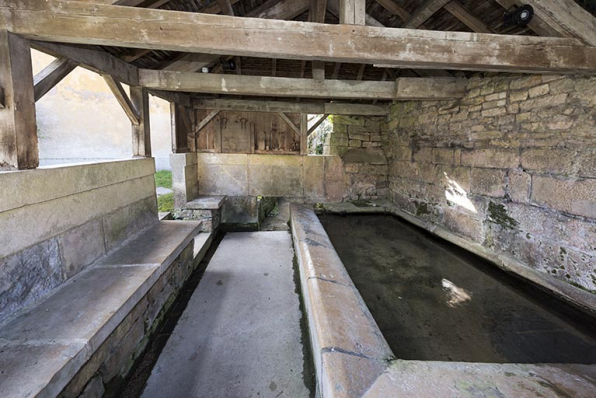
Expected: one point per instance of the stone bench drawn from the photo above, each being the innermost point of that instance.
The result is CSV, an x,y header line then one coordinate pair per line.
x,y
89,332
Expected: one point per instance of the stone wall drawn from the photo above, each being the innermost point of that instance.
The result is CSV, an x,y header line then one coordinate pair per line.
x,y
359,141
57,220
512,166
310,178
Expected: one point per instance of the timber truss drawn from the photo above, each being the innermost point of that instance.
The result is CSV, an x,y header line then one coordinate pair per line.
x,y
306,56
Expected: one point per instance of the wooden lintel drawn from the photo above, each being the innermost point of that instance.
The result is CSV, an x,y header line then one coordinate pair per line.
x,y
122,98
317,124
289,122
201,125
158,29
51,75
429,88
333,108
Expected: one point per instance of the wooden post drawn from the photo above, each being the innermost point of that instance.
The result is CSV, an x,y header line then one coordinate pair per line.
x,y
18,128
179,133
352,12
304,133
141,133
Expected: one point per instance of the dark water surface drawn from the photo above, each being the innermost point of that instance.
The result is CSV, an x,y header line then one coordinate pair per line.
x,y
434,301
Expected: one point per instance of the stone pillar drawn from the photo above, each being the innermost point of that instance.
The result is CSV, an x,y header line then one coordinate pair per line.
x,y
185,178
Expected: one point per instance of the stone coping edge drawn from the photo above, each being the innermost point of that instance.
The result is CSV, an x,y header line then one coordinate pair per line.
x,y
581,299
349,350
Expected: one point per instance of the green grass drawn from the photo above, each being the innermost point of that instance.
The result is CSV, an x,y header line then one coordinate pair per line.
x,y
165,203
163,178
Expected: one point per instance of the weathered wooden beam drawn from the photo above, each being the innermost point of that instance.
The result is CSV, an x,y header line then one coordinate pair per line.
x,y
568,15
135,54
94,60
424,12
51,75
201,125
2,98
73,22
303,134
467,18
170,96
122,98
332,108
438,88
317,124
18,129
141,133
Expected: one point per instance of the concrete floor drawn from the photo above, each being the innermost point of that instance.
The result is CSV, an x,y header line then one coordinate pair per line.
x,y
436,303
240,335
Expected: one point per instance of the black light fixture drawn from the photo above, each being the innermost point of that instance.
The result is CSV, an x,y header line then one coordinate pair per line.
x,y
518,16
228,65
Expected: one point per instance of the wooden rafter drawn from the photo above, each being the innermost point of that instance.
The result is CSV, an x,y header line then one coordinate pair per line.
x,y
538,25
424,12
51,75
467,18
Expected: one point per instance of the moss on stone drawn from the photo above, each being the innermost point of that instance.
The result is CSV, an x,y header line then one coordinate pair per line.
x,y
498,215
422,209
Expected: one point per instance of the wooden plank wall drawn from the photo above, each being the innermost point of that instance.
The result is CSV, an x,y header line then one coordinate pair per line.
x,y
248,132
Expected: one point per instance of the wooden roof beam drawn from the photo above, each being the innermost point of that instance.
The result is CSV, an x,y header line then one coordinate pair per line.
x,y
53,20
407,88
467,18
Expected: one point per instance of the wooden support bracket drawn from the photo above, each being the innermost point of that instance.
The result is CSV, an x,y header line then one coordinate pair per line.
x,y
51,75
123,99
317,124
205,121
289,122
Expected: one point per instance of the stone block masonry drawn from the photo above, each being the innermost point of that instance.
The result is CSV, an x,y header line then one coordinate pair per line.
x,y
512,166
358,140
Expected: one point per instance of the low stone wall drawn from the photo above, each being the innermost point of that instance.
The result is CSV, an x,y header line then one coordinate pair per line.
x,y
512,167
57,220
310,178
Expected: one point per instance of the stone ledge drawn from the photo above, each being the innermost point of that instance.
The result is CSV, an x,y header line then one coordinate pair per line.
x,y
348,348
45,347
206,203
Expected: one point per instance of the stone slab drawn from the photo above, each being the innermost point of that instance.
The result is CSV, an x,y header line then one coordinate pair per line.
x,y
206,203
83,312
240,333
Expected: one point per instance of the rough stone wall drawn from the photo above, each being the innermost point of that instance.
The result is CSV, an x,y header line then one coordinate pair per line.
x,y
56,221
512,166
359,141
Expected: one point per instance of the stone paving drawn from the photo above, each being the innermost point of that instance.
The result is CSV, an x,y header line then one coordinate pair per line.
x,y
240,335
